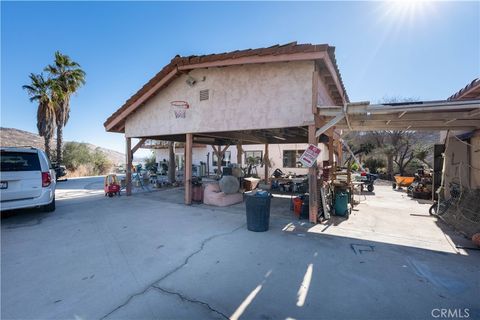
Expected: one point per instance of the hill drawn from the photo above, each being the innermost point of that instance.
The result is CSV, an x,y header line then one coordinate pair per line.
x,y
10,137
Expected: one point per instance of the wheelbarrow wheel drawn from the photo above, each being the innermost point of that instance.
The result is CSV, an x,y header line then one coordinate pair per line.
x,y
394,186
370,188
347,213
433,209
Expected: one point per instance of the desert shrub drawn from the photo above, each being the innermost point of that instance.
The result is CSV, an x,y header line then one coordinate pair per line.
x,y
413,166
151,163
80,160
374,164
101,164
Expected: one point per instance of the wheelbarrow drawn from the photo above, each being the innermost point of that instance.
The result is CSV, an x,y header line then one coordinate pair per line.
x,y
402,182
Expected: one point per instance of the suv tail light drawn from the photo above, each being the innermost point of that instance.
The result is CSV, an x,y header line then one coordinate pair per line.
x,y
46,179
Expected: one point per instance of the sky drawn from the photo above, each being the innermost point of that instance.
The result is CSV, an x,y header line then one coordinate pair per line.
x,y
402,49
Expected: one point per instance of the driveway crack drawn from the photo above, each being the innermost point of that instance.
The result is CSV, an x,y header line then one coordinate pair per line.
x,y
168,274
184,298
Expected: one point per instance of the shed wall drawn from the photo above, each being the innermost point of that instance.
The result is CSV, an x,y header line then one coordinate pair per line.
x,y
272,95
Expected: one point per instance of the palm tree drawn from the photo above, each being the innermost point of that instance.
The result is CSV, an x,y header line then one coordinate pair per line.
x,y
39,91
67,78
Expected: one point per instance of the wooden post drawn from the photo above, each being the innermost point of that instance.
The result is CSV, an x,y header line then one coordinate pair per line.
x,y
266,163
340,153
188,168
171,162
330,152
220,156
312,139
218,152
239,154
312,179
128,171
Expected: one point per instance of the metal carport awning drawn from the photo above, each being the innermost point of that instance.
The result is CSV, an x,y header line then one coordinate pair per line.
x,y
421,115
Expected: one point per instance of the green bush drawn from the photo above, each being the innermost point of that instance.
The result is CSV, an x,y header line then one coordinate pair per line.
x,y
76,155
373,164
354,166
151,163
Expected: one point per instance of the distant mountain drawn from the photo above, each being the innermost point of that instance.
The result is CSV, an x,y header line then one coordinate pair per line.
x,y
10,137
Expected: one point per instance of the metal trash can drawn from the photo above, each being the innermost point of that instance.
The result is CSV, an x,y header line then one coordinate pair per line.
x,y
258,211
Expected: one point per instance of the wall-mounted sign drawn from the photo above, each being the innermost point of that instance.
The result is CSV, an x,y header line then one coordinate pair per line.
x,y
310,155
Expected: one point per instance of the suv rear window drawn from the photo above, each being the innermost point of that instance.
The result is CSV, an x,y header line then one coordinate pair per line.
x,y
19,161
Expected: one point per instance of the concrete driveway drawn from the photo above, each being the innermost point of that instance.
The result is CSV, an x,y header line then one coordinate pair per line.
x,y
145,257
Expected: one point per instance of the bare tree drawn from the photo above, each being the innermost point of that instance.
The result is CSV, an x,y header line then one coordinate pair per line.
x,y
399,147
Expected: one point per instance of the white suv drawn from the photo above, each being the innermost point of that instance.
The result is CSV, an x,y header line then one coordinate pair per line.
x,y
26,179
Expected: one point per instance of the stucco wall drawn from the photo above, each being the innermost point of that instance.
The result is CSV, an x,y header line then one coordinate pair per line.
x,y
475,162
463,162
457,163
273,95
275,155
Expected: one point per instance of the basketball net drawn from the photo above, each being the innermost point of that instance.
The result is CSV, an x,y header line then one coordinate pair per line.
x,y
180,109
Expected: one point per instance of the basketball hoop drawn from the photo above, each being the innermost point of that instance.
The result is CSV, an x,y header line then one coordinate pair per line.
x,y
180,109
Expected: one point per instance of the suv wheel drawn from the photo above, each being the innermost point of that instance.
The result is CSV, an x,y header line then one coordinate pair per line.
x,y
49,207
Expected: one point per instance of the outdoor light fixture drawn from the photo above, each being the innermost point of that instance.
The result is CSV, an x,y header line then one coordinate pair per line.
x,y
279,138
191,81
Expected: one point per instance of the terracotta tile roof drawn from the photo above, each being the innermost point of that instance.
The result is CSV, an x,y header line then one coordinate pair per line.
x,y
470,91
183,63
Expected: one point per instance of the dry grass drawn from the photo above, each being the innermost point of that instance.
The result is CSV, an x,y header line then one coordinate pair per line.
x,y
85,170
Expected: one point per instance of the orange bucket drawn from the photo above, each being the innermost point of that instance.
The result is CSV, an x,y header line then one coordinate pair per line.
x,y
297,206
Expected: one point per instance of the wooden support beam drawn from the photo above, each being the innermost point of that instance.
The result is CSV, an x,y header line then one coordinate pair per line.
x,y
312,179
340,153
235,136
171,162
128,171
138,145
330,151
266,164
188,168
474,112
413,123
239,153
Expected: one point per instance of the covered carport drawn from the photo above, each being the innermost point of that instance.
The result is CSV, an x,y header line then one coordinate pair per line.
x,y
254,96
281,94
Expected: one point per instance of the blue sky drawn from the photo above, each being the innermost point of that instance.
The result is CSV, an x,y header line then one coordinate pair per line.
x,y
427,50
